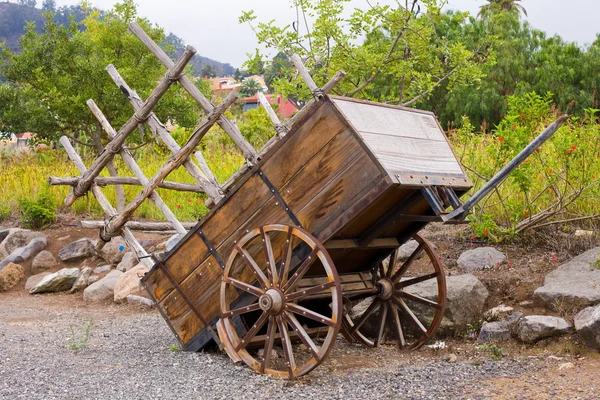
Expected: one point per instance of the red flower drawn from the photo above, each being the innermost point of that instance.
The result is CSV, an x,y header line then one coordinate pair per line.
x,y
523,117
473,237
178,205
501,139
485,231
537,150
573,147
554,259
189,200
509,265
568,151
525,215
514,127
550,170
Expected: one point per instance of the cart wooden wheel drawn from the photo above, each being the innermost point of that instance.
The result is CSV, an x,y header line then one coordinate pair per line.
x,y
412,319
269,301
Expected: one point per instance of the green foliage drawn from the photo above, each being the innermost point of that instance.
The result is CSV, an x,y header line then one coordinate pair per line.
x,y
38,213
256,127
175,348
496,351
250,87
4,212
79,342
597,263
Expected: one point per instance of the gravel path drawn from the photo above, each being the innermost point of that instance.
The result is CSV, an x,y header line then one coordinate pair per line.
x,y
128,357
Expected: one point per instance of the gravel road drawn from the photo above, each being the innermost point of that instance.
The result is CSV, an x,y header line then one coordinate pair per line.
x,y
128,356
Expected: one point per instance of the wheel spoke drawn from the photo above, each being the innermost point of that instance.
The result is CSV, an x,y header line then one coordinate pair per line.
x,y
412,316
382,317
286,259
305,312
262,279
372,307
271,266
407,263
300,294
301,270
362,296
398,326
286,343
420,299
414,281
269,340
242,310
252,332
302,334
244,286
392,264
382,270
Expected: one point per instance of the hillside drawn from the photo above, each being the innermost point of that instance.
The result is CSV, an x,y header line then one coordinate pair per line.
x,y
14,18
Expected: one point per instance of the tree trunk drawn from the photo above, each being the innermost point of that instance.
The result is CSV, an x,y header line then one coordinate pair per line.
x,y
96,135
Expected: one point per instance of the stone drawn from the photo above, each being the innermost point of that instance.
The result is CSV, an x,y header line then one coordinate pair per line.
x,y
466,297
103,289
22,254
10,276
173,240
57,282
43,261
129,261
103,269
93,278
480,258
35,279
567,365
533,328
139,301
587,325
83,281
494,332
80,249
129,283
407,249
451,358
16,238
497,313
113,251
584,233
572,286
274,354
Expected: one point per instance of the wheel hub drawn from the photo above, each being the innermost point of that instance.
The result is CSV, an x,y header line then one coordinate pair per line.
x,y
386,288
271,302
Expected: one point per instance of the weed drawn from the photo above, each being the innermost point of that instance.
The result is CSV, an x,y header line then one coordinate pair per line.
x,y
175,348
4,212
496,351
596,263
79,342
38,213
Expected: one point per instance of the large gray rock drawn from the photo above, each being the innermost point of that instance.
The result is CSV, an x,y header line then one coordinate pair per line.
x,y
22,254
533,328
113,251
129,261
57,282
35,279
173,240
16,238
103,269
43,261
587,325
139,301
77,250
129,283
498,331
466,297
480,258
102,289
572,286
83,281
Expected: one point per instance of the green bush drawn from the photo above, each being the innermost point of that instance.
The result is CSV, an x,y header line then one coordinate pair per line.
x,y
38,213
4,213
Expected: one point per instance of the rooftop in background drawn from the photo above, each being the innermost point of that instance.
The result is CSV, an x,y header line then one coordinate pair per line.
x,y
228,84
285,108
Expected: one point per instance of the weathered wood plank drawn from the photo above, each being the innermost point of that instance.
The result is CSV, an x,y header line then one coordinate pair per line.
x,y
124,180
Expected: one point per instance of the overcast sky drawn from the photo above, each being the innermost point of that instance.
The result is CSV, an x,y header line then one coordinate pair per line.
x,y
212,26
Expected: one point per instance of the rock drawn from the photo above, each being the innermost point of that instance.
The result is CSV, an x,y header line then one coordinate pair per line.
x,y
466,297
494,332
139,301
113,251
129,261
57,282
16,238
451,358
93,278
497,313
103,269
173,240
129,283
480,258
587,325
274,354
566,365
584,233
526,303
83,281
536,327
35,279
22,254
10,276
77,250
103,289
4,233
43,261
572,286
407,249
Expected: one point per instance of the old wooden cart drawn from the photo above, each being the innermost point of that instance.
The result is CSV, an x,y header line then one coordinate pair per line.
x,y
302,242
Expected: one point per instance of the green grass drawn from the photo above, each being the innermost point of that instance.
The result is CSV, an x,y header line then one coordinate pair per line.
x,y
79,342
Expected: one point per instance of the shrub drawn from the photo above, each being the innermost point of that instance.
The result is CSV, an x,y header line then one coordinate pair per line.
x,y
4,212
38,213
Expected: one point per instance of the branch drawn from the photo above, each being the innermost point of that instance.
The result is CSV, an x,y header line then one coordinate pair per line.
x,y
443,78
79,141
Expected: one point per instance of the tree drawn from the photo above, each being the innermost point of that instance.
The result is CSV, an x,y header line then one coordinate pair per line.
x,y
250,87
278,69
237,75
208,71
401,59
501,5
49,5
27,3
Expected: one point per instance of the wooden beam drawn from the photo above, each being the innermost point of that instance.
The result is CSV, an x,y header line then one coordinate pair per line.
x,y
123,180
188,85
353,243
139,226
314,89
116,224
137,171
208,183
141,115
109,210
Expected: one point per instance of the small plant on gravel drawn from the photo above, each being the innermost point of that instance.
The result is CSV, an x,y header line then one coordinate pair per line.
x,y
496,351
175,348
38,213
596,263
78,342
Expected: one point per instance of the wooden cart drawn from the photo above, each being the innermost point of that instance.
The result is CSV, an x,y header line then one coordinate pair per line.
x,y
302,242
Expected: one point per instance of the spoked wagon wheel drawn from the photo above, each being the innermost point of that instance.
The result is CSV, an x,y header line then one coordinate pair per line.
x,y
394,305
270,301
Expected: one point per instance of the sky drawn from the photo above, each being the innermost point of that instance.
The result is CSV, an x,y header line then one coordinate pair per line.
x,y
212,26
